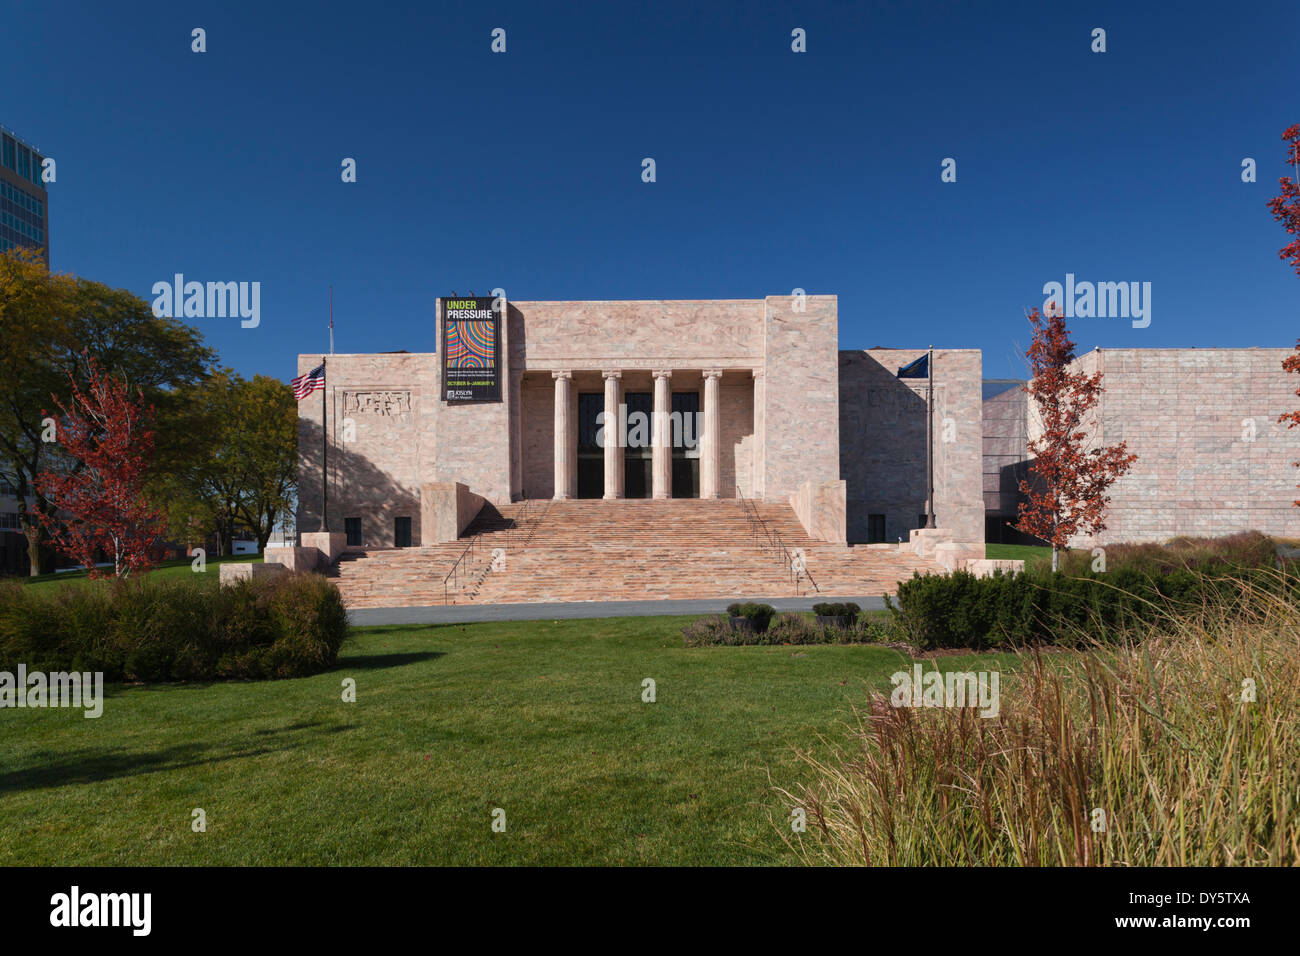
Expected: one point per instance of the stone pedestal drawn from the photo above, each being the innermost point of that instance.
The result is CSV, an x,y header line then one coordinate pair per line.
x,y
446,509
330,544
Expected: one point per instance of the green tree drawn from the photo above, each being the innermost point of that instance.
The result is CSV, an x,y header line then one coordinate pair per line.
x,y
238,468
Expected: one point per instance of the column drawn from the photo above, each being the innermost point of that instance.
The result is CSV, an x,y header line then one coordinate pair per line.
x,y
661,435
563,434
758,467
710,446
613,436
516,404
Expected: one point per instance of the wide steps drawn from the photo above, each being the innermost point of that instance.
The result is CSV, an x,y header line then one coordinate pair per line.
x,y
596,550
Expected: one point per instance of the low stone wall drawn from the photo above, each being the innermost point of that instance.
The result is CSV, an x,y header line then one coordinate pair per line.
x,y
294,559
821,508
446,509
247,571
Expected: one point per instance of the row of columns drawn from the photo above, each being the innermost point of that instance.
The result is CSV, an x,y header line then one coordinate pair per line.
x,y
566,442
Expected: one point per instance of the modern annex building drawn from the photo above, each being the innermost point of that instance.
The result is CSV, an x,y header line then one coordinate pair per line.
x,y
752,402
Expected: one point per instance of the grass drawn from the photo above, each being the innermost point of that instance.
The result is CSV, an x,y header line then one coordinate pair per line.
x,y
544,720
1016,552
180,568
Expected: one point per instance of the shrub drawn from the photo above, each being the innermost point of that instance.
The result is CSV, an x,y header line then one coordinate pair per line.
x,y
141,630
794,629
1003,610
846,609
784,629
758,615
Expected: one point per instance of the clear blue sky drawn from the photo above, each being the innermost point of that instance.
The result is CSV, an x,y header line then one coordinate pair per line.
x,y
775,170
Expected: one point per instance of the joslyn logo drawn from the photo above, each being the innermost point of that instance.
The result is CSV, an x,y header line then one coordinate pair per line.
x,y
923,688
1102,300
103,909
213,300
58,689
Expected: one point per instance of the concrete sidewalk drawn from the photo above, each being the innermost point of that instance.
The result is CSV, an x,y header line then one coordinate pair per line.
x,y
474,613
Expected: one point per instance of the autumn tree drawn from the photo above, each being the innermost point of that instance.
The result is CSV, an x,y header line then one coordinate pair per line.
x,y
1286,210
1066,492
49,324
106,435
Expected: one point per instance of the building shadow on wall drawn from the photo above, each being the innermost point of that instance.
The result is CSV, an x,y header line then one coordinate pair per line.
x,y
357,487
882,449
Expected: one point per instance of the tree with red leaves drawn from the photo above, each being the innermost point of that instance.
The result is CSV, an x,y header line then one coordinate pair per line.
x,y
1066,493
107,440
1286,210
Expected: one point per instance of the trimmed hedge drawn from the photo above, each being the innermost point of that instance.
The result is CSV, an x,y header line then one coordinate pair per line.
x,y
1004,610
289,625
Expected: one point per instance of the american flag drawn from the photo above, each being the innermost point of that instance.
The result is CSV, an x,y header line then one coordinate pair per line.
x,y
304,385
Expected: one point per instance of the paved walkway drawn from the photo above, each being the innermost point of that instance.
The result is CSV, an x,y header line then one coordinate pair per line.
x,y
473,613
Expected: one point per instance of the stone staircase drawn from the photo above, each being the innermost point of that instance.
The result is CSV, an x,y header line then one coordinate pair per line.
x,y
626,550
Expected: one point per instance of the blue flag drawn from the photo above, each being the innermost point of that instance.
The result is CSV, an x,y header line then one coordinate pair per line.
x,y
918,369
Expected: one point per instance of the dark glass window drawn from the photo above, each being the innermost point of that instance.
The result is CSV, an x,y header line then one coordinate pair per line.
x,y
401,532
352,527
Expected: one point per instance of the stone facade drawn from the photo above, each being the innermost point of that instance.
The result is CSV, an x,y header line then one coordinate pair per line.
x,y
763,374
785,416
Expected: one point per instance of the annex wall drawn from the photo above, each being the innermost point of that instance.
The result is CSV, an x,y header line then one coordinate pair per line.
x,y
1212,457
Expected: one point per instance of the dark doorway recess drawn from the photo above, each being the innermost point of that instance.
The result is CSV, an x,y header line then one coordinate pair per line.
x,y
686,436
591,457
638,460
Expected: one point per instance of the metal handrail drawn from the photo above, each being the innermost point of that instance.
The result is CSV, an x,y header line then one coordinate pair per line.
x,y
455,568
513,534
772,539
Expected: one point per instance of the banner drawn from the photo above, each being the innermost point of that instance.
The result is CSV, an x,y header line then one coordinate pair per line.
x,y
471,350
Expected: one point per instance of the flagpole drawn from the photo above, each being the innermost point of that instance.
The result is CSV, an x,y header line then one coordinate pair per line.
x,y
324,454
929,437
331,320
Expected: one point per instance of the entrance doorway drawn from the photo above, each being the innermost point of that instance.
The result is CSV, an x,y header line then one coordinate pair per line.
x,y
638,462
591,457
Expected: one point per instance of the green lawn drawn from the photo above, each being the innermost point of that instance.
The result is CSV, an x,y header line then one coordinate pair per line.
x,y
544,720
1016,552
181,568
